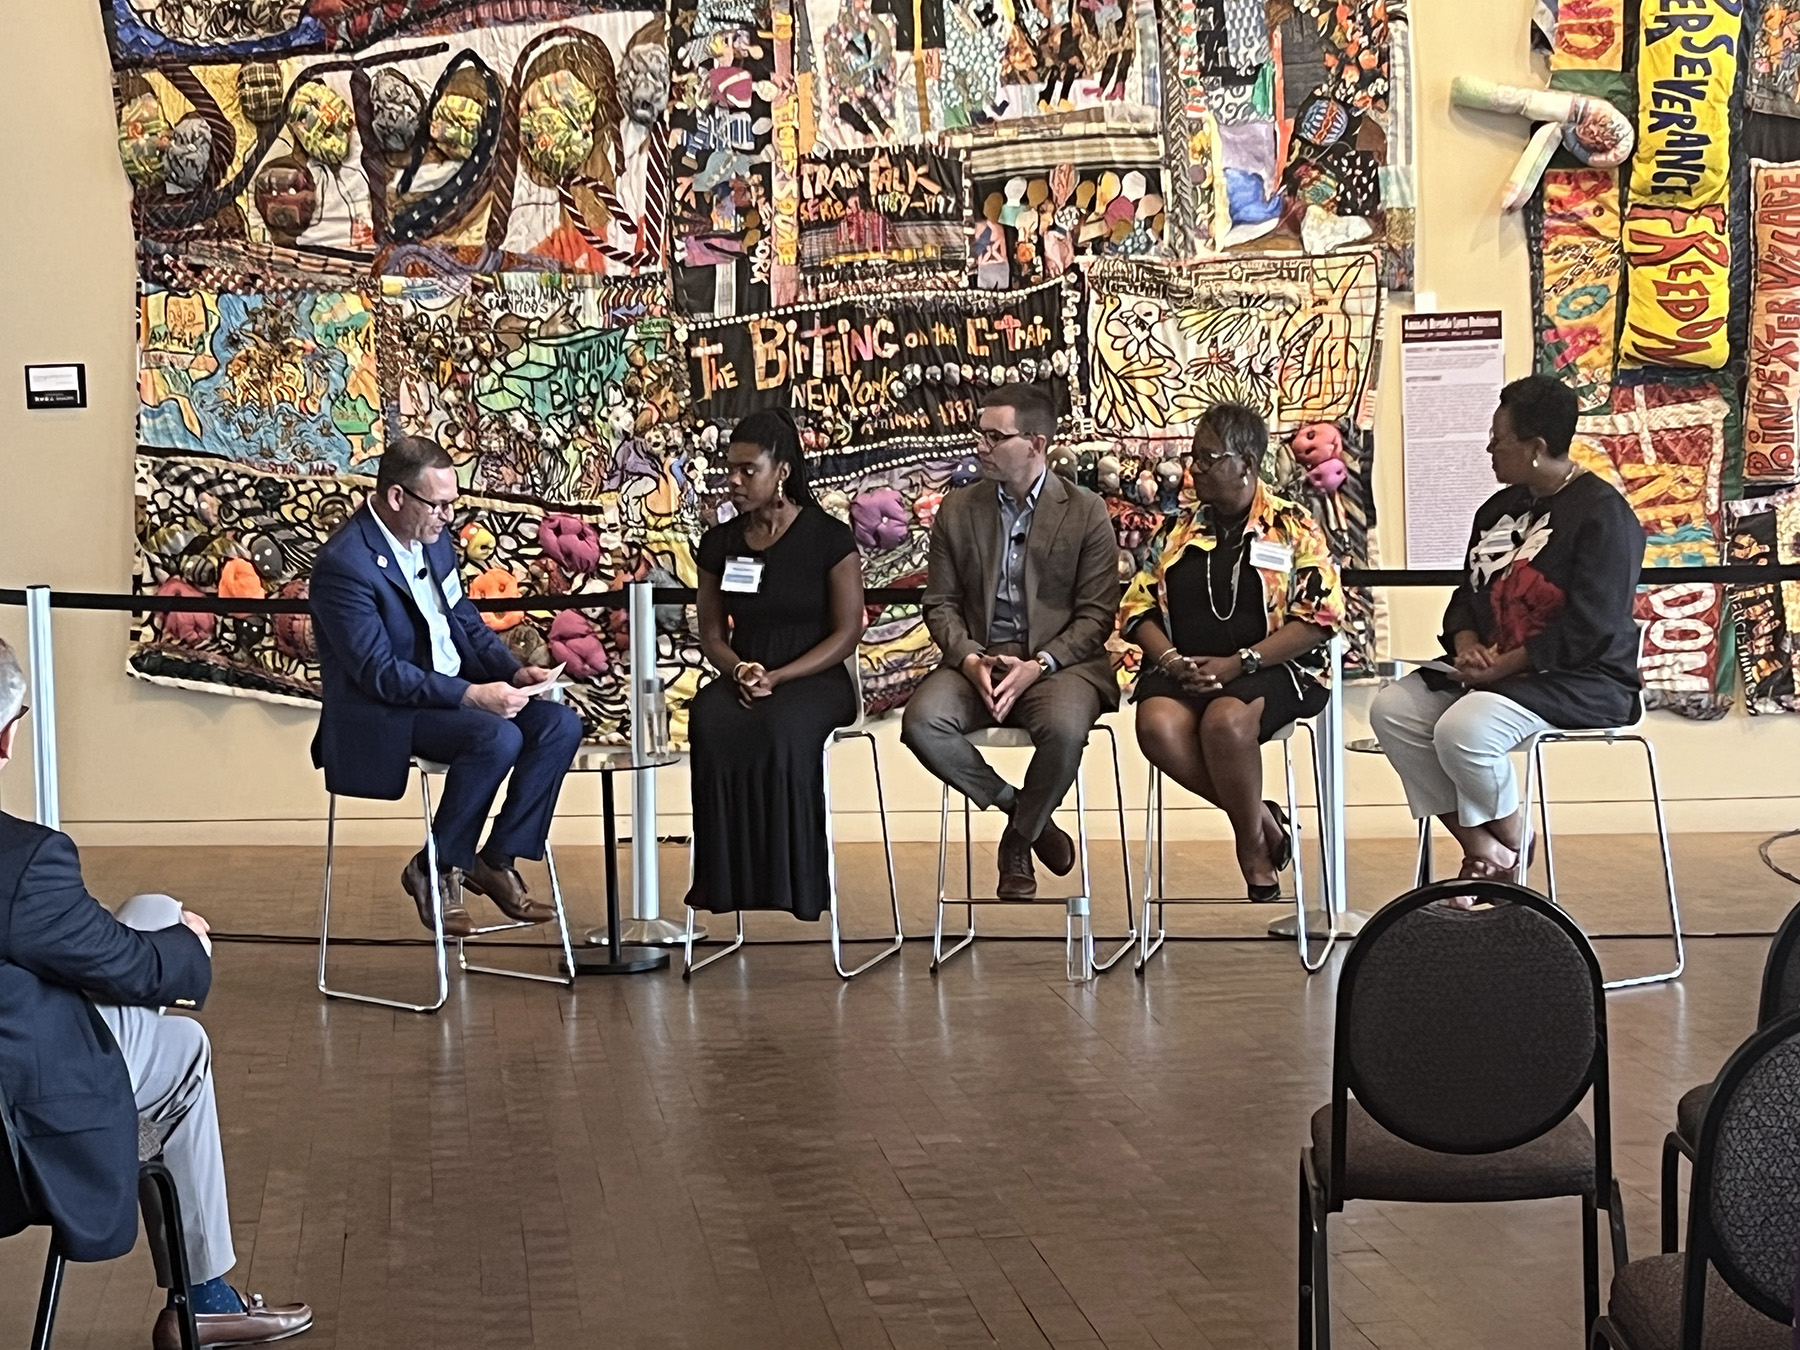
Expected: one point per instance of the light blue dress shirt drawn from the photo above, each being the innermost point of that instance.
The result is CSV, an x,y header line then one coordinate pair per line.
x,y
445,659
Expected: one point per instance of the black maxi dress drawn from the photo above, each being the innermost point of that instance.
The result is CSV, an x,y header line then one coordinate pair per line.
x,y
758,772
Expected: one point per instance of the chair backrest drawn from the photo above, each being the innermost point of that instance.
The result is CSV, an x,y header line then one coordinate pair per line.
x,y
1744,1214
1471,1031
853,664
1781,972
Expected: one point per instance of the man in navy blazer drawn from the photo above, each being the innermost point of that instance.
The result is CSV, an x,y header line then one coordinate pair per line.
x,y
410,669
85,1053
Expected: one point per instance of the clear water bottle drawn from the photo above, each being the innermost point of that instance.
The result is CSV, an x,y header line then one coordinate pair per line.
x,y
653,707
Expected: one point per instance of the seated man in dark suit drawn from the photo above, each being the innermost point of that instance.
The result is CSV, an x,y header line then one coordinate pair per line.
x,y
410,669
85,1053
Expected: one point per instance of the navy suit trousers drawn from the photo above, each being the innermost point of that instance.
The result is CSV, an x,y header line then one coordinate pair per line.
x,y
536,747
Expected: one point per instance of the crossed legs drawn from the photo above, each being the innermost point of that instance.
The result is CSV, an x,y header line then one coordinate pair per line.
x,y
1451,749
170,1063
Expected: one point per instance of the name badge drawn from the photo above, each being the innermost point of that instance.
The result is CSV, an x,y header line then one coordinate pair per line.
x,y
1267,557
453,590
742,575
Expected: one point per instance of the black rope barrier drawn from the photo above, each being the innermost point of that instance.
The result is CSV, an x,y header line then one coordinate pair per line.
x,y
1383,578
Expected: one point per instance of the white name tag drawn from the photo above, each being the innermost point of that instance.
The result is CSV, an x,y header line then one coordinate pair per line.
x,y
743,575
453,590
1267,557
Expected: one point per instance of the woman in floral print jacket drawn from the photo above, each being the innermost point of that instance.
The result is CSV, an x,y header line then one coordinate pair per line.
x,y
1540,634
1232,609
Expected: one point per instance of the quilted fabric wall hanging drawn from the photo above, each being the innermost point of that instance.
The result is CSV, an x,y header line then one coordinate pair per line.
x,y
1576,264
1291,124
1037,204
1293,337
1663,447
1772,397
1763,532
571,241
1677,233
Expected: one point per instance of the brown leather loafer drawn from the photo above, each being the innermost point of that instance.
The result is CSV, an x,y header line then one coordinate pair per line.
x,y
457,922
1055,849
1017,879
256,1325
506,888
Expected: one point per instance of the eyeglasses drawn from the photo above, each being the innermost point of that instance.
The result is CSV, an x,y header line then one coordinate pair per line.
x,y
990,439
1203,462
445,509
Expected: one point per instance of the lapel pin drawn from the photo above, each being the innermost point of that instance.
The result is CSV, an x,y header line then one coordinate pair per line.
x,y
380,561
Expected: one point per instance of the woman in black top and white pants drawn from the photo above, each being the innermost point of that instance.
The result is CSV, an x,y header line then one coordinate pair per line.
x,y
1540,632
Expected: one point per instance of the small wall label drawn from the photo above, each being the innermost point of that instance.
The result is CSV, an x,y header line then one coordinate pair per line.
x,y
56,386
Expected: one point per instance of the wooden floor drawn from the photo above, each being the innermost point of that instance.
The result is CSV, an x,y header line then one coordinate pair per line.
x,y
767,1157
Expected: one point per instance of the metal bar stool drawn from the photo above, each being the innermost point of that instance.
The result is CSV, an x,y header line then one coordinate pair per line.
x,y
1078,932
1156,855
1631,734
855,731
1536,784
427,769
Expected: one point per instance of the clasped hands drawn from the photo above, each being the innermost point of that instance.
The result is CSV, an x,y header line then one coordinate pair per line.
x,y
1000,680
754,681
1200,674
504,698
1476,665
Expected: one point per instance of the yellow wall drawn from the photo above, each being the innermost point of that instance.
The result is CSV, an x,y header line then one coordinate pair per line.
x,y
147,765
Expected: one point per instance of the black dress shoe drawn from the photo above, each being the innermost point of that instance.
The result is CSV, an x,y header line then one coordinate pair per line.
x,y
257,1324
1055,849
1017,879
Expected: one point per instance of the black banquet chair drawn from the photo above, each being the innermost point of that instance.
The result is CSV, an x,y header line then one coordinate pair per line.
x,y
1733,1289
161,1207
1780,996
1465,1040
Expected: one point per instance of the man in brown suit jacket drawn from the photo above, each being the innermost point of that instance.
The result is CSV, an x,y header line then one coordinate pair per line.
x,y
1021,597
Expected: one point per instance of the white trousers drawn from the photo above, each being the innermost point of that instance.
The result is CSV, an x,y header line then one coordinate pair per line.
x,y
1451,749
170,1062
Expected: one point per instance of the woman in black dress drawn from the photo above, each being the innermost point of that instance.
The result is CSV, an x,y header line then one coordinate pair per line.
x,y
781,607
1540,632
1234,604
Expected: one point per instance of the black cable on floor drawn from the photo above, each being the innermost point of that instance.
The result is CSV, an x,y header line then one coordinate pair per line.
x,y
1762,851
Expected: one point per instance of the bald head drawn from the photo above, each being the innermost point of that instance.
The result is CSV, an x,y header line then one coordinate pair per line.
x,y
12,699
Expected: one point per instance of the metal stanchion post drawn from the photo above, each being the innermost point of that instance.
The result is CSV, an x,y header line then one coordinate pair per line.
x,y
646,926
43,705
1337,918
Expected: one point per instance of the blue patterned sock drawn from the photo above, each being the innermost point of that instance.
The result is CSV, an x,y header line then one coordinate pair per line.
x,y
215,1296
1008,798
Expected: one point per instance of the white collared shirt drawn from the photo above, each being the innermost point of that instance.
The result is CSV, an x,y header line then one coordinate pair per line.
x,y
445,659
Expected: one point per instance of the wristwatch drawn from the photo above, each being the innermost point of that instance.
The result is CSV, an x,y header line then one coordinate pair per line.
x,y
1045,664
1250,659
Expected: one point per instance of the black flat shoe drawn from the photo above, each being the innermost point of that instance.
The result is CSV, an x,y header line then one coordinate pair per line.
x,y
1284,855
1265,895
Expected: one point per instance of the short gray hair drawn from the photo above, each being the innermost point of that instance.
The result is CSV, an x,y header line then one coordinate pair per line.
x,y
1242,432
12,684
